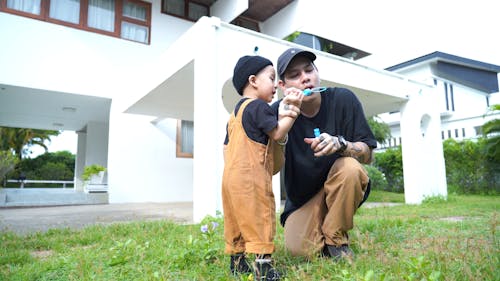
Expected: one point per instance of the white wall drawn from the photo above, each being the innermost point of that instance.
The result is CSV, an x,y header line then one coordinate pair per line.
x,y
141,161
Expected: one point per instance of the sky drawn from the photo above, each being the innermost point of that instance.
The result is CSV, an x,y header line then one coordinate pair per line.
x,y
395,31
67,140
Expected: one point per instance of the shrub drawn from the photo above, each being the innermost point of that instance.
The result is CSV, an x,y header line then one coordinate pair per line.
x,y
390,163
55,171
62,167
377,178
468,168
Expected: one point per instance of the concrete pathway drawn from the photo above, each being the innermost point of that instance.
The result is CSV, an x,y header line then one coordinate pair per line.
x,y
32,219
27,220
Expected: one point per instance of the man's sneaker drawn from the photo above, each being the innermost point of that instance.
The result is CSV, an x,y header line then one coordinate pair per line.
x,y
239,264
264,270
338,252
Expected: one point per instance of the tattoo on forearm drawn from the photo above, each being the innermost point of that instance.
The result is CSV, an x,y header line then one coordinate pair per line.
x,y
360,152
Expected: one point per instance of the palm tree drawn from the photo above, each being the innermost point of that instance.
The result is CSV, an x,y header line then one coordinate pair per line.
x,y
20,140
381,130
491,131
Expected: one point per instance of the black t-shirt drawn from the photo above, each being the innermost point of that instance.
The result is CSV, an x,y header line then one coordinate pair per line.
x,y
340,113
258,119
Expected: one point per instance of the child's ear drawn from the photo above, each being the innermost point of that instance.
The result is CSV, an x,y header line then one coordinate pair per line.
x,y
252,80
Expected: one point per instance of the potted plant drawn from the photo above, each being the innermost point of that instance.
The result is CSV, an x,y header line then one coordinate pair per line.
x,y
93,173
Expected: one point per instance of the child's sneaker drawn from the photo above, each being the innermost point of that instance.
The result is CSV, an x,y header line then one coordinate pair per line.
x,y
239,264
264,270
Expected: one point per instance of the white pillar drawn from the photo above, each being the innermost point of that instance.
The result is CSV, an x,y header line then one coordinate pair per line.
x,y
97,144
81,151
207,172
423,160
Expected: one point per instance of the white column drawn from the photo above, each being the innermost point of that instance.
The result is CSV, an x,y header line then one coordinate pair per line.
x,y
80,160
97,144
423,160
207,102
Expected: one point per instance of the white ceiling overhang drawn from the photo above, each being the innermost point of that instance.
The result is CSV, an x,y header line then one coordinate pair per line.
x,y
172,97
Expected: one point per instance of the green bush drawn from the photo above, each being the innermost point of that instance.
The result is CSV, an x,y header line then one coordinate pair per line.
x,y
377,178
55,171
390,163
48,166
469,170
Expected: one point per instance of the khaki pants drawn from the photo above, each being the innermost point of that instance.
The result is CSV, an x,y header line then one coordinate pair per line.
x,y
328,216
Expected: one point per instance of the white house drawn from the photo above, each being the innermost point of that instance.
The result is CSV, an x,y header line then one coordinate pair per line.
x,y
147,87
465,91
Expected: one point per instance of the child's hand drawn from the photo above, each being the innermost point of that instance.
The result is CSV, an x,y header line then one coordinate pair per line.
x,y
287,110
293,96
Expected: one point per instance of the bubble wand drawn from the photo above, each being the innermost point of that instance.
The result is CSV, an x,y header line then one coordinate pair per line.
x,y
308,92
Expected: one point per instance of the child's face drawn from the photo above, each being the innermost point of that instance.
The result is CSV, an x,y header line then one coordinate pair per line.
x,y
266,83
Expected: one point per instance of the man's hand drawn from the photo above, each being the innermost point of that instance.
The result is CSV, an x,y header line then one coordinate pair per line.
x,y
323,145
326,145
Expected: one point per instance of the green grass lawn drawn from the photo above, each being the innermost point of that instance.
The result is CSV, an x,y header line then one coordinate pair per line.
x,y
455,239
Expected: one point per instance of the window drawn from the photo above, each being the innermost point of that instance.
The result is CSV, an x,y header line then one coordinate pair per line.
x,y
448,92
65,10
196,11
136,21
101,15
127,19
446,96
25,6
186,9
478,130
184,139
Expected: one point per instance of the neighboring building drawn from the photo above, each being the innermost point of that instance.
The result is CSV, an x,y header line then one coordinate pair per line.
x,y
465,91
147,87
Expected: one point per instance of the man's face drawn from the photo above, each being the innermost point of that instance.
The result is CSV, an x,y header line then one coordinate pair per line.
x,y
301,73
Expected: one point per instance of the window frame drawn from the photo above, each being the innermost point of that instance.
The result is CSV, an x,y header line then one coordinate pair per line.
x,y
178,147
83,18
185,16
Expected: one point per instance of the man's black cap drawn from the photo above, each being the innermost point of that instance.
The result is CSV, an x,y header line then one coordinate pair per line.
x,y
288,56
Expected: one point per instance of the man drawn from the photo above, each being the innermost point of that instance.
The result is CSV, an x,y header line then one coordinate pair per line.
x,y
325,180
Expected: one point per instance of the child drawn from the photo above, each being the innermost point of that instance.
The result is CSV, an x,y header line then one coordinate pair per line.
x,y
252,154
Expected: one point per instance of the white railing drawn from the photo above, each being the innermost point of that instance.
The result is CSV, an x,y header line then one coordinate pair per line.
x,y
23,182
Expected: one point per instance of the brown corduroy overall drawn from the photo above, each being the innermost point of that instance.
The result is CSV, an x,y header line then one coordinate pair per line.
x,y
247,195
